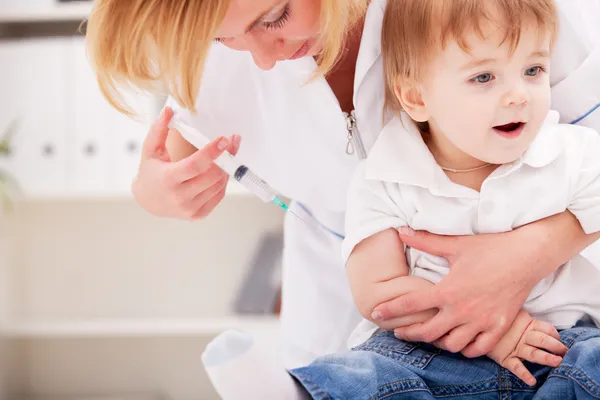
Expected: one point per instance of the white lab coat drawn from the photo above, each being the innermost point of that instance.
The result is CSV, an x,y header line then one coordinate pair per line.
x,y
294,136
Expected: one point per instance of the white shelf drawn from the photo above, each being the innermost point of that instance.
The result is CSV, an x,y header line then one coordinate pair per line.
x,y
55,12
234,189
110,328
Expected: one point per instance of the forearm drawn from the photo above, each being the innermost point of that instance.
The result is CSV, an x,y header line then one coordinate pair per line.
x,y
561,238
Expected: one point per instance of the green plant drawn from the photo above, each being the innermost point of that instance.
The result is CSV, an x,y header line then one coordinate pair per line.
x,y
7,183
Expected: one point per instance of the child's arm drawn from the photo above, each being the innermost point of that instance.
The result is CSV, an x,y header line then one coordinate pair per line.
x,y
373,252
377,272
528,340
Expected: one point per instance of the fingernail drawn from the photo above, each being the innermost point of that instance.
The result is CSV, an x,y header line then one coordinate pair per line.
x,y
406,231
557,360
377,316
223,143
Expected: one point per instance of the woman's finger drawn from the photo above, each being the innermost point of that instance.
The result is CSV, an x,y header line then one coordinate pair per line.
x,y
427,332
200,161
439,245
210,192
409,303
538,356
515,366
411,319
458,338
483,344
543,341
212,203
157,136
190,189
234,145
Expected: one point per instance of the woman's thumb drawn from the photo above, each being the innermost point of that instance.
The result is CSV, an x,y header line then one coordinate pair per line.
x,y
157,137
437,245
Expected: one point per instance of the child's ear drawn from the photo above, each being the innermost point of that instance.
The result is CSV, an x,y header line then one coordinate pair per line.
x,y
411,100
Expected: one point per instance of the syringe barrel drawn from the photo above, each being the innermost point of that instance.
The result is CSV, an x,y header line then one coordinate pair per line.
x,y
227,163
254,184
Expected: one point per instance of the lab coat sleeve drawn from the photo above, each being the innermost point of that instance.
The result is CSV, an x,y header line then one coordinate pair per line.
x,y
208,117
373,206
585,199
575,64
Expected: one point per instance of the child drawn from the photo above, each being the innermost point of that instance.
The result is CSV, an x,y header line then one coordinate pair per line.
x,y
473,148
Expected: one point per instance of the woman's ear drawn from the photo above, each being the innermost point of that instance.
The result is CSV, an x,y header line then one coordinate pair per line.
x,y
411,100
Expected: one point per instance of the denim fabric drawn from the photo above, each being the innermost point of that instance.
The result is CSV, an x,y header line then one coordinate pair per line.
x,y
387,368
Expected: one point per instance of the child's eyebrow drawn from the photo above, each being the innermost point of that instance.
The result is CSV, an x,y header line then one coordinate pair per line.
x,y
540,54
480,62
477,63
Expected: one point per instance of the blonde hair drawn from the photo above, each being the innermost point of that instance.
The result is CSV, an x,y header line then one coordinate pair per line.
x,y
414,29
162,44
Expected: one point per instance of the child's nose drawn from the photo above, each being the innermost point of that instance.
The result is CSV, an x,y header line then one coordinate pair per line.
x,y
518,96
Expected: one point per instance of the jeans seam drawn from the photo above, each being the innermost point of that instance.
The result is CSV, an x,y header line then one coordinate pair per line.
x,y
311,387
586,384
403,381
432,391
420,361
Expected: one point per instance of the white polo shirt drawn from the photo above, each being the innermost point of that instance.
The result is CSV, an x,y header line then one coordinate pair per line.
x,y
400,184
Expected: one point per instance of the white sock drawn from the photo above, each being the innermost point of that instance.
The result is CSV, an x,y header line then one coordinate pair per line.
x,y
241,369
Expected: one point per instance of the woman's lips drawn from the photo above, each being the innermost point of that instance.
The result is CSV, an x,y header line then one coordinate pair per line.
x,y
511,130
301,52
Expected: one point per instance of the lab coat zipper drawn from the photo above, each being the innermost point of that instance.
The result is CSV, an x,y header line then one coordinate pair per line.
x,y
355,144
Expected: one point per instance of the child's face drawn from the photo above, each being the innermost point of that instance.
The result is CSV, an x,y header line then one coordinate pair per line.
x,y
490,104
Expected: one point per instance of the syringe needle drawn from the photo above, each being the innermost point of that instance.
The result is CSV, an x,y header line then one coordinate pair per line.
x,y
297,216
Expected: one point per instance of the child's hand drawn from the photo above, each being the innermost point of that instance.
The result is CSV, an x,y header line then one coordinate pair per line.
x,y
528,340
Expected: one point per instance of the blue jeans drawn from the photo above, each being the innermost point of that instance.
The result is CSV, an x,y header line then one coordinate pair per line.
x,y
387,368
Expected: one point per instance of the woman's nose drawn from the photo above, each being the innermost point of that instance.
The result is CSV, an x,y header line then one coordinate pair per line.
x,y
266,51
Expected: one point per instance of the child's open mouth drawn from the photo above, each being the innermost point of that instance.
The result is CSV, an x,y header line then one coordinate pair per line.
x,y
510,130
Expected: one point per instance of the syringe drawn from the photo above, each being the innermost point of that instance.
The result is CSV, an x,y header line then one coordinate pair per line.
x,y
227,163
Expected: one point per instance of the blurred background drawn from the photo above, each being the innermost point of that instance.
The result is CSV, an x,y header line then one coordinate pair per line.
x,y
98,299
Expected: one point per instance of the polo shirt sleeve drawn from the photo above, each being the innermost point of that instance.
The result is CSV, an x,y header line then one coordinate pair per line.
x,y
575,63
585,199
372,207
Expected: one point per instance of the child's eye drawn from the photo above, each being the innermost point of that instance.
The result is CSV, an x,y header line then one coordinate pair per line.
x,y
483,78
534,71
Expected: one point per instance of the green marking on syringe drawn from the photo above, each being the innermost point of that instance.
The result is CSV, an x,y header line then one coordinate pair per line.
x,y
280,203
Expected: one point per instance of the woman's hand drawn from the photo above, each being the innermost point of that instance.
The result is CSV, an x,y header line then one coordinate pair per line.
x,y
489,281
180,182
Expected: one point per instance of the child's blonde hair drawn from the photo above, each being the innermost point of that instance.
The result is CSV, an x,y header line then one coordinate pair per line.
x,y
413,30
147,44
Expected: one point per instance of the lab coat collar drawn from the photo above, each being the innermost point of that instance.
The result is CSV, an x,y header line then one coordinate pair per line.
x,y
370,43
401,156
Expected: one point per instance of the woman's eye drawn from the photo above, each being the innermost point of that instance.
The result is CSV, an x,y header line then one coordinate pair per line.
x,y
280,21
483,78
533,71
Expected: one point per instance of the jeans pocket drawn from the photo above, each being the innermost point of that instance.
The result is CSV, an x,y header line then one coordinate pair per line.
x,y
386,344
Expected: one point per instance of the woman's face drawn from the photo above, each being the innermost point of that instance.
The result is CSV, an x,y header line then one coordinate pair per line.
x,y
272,30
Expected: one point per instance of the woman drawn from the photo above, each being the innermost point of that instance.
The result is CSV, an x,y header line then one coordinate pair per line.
x,y
264,81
